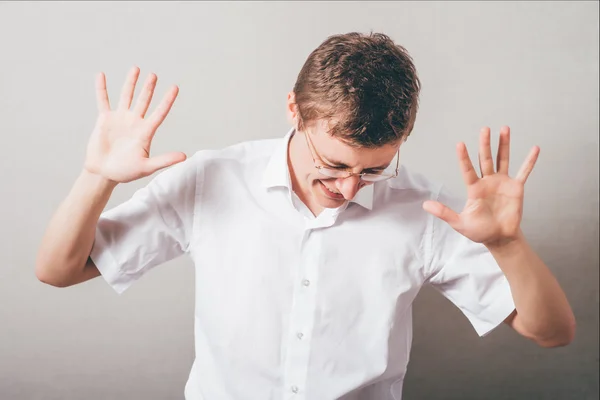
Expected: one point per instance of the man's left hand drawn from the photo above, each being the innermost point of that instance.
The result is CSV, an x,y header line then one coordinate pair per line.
x,y
494,208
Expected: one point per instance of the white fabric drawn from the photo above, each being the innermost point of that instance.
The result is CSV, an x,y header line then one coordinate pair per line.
x,y
289,306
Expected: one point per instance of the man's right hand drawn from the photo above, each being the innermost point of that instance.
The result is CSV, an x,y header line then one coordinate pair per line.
x,y
119,147
118,151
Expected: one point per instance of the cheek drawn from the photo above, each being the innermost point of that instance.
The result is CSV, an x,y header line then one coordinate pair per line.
x,y
314,177
312,180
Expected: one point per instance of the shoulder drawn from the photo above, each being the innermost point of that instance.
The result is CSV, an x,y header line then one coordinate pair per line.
x,y
238,165
412,185
240,153
409,187
233,158
400,202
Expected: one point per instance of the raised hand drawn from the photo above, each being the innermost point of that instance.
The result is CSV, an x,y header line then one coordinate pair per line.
x,y
119,147
494,208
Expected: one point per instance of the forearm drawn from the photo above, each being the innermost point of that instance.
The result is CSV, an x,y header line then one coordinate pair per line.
x,y
68,240
543,310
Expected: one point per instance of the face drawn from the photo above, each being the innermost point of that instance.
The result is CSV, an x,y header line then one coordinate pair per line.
x,y
330,152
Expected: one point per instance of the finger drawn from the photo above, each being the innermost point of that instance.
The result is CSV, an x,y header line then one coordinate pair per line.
x,y
159,115
163,161
101,93
466,166
145,97
442,212
486,162
528,165
503,151
128,89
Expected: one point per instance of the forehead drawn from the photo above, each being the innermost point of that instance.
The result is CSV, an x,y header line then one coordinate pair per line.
x,y
324,128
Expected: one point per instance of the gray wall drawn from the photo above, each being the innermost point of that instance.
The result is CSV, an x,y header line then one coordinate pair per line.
x,y
533,66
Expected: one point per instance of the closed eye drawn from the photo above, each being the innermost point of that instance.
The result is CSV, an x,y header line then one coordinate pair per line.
x,y
340,167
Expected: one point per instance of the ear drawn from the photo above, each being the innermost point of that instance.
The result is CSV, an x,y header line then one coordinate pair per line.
x,y
291,109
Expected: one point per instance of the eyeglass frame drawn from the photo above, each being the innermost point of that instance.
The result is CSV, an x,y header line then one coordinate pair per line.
x,y
320,168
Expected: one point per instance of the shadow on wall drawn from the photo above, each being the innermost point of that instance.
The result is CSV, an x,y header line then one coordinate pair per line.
x,y
449,361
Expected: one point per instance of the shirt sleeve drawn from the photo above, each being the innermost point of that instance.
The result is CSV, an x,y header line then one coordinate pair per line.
x,y
152,227
466,273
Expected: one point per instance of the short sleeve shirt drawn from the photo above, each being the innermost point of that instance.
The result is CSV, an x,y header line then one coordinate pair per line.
x,y
289,305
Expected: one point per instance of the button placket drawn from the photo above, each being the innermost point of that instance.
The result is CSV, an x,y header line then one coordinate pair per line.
x,y
302,317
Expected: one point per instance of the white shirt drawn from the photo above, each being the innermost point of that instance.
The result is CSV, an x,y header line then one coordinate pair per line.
x,y
289,306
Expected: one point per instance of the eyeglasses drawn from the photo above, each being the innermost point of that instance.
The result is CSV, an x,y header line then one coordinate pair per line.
x,y
340,173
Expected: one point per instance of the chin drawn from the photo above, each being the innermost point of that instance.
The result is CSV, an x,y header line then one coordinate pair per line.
x,y
329,203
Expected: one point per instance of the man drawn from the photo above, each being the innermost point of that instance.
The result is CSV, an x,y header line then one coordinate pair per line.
x,y
309,250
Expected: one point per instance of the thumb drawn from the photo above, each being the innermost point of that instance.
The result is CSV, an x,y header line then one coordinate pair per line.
x,y
442,212
163,161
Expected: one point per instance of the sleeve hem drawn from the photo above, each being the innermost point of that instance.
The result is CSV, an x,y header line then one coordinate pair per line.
x,y
107,265
494,315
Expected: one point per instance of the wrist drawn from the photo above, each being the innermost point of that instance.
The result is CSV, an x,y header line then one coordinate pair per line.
x,y
507,245
96,181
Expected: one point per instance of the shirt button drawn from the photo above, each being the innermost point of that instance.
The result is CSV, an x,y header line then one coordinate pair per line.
x,y
300,335
306,282
295,389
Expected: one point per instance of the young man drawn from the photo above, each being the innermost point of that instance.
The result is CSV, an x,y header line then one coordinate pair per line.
x,y
310,249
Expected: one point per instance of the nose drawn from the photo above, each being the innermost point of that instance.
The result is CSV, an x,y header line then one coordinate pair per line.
x,y
349,186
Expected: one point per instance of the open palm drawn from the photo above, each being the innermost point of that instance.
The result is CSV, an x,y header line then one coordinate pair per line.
x,y
119,147
494,208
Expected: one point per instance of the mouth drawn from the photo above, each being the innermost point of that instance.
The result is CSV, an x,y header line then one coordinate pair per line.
x,y
329,193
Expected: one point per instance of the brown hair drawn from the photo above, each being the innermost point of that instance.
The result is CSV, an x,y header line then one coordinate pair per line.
x,y
365,86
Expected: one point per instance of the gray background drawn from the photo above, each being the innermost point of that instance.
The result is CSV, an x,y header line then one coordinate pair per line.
x,y
533,66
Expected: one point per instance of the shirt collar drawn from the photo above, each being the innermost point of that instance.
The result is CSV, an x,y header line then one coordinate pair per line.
x,y
277,174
